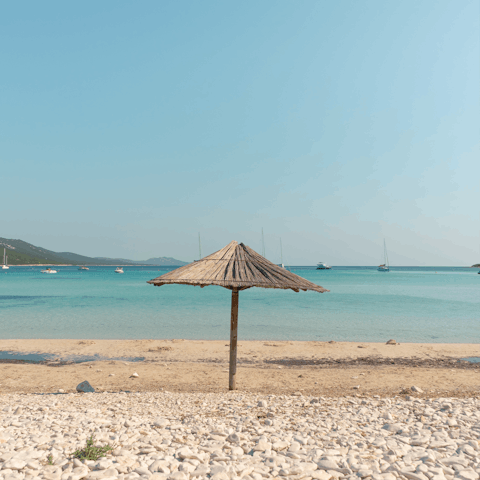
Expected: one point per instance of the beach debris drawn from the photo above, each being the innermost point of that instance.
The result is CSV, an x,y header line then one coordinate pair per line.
x,y
262,403
332,341
134,375
111,375
61,390
416,389
85,387
391,342
356,387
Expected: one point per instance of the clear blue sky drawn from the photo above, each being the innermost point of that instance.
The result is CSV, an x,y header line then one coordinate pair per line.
x,y
128,127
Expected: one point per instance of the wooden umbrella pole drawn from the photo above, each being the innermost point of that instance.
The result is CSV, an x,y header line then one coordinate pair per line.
x,y
232,379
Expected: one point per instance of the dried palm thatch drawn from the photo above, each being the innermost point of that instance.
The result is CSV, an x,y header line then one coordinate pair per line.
x,y
236,267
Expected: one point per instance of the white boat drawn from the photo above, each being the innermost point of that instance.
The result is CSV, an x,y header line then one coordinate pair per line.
x,y
119,270
384,267
5,261
83,268
323,266
49,270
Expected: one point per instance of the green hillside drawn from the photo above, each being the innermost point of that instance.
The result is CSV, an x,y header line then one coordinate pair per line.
x,y
23,253
20,247
16,258
20,252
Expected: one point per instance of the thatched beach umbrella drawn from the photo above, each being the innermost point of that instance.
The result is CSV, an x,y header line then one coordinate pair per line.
x,y
236,267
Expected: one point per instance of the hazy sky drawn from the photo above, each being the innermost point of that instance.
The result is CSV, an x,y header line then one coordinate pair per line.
x,y
128,127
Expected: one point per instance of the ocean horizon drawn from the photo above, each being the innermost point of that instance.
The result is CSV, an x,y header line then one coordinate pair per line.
x,y
409,304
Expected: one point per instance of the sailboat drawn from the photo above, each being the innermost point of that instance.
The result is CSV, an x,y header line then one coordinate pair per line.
x,y
384,267
5,261
281,255
263,245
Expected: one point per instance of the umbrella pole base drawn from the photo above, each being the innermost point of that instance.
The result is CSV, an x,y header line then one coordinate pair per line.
x,y
232,376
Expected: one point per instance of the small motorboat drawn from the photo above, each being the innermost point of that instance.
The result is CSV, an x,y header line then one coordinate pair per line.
x,y
323,266
119,270
49,270
83,268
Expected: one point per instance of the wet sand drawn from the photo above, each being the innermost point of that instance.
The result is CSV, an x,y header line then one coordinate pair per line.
x,y
266,367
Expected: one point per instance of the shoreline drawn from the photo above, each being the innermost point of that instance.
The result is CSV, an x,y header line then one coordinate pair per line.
x,y
264,367
151,347
85,265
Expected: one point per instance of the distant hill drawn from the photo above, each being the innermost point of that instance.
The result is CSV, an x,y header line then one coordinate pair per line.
x,y
477,265
157,261
23,253
162,261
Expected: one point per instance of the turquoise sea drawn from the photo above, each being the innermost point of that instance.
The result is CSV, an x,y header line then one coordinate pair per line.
x,y
409,304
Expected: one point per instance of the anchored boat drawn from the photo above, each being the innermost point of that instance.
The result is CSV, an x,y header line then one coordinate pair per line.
x,y
384,266
5,260
49,270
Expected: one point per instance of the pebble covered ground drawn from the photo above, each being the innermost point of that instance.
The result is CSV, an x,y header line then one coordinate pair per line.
x,y
236,435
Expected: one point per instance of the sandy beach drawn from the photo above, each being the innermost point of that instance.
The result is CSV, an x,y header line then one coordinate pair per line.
x,y
264,367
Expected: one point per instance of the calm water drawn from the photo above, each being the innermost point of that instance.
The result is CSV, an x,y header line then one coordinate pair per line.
x,y
420,304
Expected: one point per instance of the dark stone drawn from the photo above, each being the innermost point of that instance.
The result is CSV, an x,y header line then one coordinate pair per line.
x,y
85,387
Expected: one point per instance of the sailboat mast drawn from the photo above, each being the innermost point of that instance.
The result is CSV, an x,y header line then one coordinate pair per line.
x,y
281,252
385,252
263,244
199,247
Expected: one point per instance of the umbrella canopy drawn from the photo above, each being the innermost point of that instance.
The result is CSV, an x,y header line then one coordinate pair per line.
x,y
236,267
